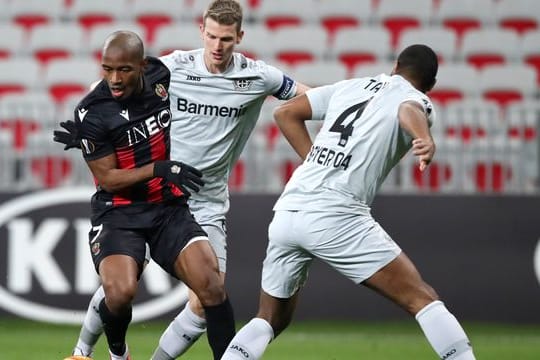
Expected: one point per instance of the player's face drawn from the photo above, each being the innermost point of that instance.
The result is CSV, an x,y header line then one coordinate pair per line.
x,y
123,72
219,43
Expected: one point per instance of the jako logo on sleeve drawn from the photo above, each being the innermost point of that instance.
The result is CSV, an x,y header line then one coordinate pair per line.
x,y
46,272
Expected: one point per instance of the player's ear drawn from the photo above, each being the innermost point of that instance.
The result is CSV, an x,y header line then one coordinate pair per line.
x,y
240,37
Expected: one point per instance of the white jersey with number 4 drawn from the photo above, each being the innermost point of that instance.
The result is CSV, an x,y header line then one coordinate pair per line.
x,y
359,143
214,114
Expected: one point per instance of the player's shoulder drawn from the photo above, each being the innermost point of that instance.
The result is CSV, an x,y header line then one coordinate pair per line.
x,y
181,59
246,65
96,103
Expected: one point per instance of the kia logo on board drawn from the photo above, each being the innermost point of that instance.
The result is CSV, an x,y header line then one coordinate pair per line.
x,y
46,272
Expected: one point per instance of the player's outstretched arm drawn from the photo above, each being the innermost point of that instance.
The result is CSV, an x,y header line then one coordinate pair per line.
x,y
414,121
290,117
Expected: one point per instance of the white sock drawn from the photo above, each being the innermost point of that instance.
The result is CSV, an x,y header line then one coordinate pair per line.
x,y
122,357
92,326
181,333
444,332
250,342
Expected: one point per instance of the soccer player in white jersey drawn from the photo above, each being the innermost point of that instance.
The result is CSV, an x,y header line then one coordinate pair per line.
x,y
216,98
324,211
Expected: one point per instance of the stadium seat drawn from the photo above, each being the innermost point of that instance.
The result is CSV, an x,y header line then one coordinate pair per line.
x,y
319,73
12,41
176,37
354,47
299,44
97,34
254,44
156,13
522,130
65,77
337,15
455,81
486,47
530,51
442,40
506,84
278,13
56,41
518,15
464,15
19,75
369,70
398,15
25,115
90,13
30,13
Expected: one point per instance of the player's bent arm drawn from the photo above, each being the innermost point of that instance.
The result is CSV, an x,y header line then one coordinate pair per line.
x,y
290,116
112,179
301,89
414,121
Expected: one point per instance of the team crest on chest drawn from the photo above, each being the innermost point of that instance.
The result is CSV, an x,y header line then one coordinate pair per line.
x,y
161,92
242,84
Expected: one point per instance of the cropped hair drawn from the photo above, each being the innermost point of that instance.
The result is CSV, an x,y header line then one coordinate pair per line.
x,y
419,62
225,12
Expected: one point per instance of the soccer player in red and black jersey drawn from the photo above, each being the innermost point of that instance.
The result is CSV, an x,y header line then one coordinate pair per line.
x,y
141,195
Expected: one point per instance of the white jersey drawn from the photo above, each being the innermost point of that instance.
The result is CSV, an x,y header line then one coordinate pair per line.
x,y
359,143
214,114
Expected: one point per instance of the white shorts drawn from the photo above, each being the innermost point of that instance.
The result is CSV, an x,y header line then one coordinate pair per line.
x,y
355,245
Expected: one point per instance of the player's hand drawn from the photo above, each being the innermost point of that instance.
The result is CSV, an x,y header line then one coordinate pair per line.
x,y
180,174
70,137
423,149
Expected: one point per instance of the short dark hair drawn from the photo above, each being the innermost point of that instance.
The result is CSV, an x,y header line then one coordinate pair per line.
x,y
419,62
225,12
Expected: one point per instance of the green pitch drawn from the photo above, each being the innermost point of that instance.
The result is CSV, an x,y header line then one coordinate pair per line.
x,y
22,340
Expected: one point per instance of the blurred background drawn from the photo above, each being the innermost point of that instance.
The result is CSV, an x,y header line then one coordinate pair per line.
x,y
471,222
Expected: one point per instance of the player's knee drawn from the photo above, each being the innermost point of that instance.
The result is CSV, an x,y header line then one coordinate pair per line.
x,y
213,293
119,293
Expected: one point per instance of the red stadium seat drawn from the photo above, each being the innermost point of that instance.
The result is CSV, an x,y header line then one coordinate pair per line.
x,y
530,51
455,82
352,48
442,40
65,77
298,45
319,73
337,15
12,41
56,41
507,84
30,13
518,15
487,47
398,15
152,15
279,13
464,15
177,37
18,75
90,13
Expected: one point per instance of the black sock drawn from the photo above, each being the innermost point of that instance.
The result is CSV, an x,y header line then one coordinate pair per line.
x,y
115,327
220,327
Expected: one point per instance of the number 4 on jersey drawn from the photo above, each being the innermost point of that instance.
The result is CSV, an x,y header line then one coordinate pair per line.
x,y
346,131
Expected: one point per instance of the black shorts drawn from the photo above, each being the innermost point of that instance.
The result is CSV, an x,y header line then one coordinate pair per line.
x,y
125,230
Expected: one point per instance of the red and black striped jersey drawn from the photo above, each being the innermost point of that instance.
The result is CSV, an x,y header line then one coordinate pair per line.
x,y
136,130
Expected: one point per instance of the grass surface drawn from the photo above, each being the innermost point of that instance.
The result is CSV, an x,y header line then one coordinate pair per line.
x,y
22,340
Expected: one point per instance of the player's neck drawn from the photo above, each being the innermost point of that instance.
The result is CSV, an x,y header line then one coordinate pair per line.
x,y
217,68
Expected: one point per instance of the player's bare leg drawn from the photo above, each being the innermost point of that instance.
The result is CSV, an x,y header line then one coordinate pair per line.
x,y
401,282
197,266
252,339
